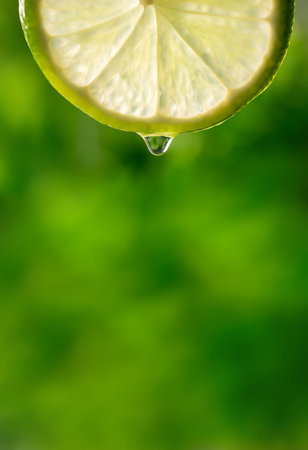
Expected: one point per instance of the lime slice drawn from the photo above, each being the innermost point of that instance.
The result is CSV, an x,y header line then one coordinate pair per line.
x,y
158,67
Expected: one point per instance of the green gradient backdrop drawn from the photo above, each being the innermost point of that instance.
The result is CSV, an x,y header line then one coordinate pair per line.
x,y
152,303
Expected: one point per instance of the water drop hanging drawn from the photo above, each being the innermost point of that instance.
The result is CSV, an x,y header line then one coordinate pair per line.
x,y
158,145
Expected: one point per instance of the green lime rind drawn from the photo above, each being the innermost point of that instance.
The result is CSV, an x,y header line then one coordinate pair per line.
x,y
283,20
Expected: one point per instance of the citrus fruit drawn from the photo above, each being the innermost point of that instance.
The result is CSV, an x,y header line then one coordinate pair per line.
x,y
158,67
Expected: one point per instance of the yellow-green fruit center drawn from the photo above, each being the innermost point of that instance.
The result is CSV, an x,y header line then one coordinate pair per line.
x,y
146,2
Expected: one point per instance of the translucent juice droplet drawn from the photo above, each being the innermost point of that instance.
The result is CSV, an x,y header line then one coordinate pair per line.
x,y
158,145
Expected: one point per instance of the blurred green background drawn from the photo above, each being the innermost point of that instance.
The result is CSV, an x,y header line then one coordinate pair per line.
x,y
152,303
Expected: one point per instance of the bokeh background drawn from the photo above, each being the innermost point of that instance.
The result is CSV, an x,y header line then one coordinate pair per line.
x,y
152,303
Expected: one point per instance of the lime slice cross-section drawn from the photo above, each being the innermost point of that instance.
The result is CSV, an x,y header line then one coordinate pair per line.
x,y
158,67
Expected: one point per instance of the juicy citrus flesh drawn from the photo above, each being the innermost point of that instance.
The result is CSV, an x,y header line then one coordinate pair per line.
x,y
159,66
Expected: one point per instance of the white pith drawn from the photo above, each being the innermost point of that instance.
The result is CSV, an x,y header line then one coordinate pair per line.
x,y
158,58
